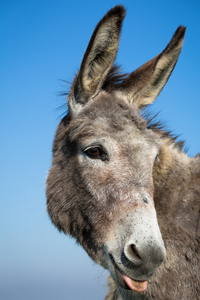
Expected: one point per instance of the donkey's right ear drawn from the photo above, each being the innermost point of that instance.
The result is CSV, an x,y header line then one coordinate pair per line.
x,y
99,56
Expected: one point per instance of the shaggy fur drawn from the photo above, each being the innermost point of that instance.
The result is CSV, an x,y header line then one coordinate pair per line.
x,y
115,174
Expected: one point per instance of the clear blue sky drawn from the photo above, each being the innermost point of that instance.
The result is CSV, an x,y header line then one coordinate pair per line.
x,y
42,42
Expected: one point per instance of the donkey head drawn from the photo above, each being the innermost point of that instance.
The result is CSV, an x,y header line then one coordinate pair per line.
x,y
100,187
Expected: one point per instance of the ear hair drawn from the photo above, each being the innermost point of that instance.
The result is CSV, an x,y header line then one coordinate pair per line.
x,y
144,85
99,56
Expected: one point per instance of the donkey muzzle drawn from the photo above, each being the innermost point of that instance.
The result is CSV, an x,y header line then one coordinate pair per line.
x,y
137,251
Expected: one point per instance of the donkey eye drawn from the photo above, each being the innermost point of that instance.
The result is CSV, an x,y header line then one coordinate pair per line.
x,y
96,153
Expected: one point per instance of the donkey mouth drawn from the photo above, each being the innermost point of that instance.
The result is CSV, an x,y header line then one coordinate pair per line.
x,y
128,283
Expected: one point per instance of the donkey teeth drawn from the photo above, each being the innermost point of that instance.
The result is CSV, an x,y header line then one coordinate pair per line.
x,y
137,286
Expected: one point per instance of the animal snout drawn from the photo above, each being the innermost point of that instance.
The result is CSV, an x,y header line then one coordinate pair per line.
x,y
147,253
138,249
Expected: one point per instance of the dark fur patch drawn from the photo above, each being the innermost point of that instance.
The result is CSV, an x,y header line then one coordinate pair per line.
x,y
114,78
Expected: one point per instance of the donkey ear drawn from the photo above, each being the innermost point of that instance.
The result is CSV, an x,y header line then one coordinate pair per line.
x,y
144,85
99,56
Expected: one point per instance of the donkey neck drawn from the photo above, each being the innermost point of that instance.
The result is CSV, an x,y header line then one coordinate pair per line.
x,y
177,191
172,172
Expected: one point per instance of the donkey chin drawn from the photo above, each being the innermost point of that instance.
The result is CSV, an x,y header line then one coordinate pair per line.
x,y
139,250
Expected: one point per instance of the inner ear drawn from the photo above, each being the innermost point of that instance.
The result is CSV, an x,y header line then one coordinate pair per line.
x,y
99,56
144,85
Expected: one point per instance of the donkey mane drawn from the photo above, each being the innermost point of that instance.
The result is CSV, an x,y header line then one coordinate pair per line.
x,y
114,78
160,128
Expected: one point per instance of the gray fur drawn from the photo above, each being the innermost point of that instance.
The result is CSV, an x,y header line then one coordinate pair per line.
x,y
114,178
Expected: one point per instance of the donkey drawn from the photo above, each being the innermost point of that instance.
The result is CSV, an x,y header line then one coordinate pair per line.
x,y
116,175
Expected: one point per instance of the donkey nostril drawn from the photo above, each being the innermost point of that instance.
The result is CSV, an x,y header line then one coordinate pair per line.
x,y
132,253
135,252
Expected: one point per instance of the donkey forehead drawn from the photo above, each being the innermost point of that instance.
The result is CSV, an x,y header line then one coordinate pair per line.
x,y
109,115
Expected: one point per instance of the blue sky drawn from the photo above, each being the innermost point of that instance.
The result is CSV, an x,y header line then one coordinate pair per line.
x,y
42,42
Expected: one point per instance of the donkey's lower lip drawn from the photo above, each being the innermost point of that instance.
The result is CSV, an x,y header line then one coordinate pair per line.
x,y
126,282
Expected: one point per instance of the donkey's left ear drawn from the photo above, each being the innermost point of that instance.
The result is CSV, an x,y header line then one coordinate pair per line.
x,y
143,85
99,56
